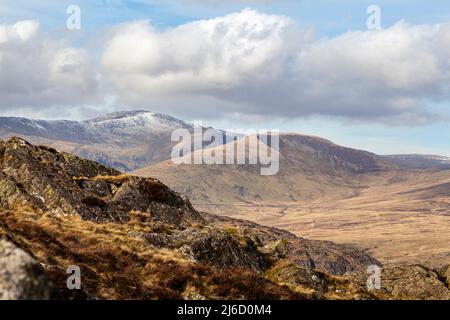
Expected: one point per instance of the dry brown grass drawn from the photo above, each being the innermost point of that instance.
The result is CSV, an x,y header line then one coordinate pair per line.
x,y
116,263
119,179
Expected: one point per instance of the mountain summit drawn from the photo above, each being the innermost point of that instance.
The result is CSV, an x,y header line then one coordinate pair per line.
x,y
124,140
138,118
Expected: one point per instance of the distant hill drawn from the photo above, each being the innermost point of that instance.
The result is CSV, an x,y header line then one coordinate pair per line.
x,y
419,161
309,168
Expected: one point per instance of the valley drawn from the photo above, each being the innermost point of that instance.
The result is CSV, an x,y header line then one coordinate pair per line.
x,y
398,217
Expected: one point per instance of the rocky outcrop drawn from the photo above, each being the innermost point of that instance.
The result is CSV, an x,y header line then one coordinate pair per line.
x,y
406,282
62,184
21,277
216,247
291,274
278,249
414,282
322,255
212,246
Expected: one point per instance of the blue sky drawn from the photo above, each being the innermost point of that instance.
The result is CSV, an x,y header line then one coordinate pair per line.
x,y
327,19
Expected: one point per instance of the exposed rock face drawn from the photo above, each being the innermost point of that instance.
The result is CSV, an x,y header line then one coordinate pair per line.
x,y
406,282
218,248
210,245
294,275
21,277
279,249
63,184
331,157
322,255
398,282
414,282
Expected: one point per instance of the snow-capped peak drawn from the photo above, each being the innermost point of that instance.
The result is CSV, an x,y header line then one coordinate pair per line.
x,y
138,119
120,115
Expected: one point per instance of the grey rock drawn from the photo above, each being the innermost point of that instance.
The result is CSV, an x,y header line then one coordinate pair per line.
x,y
158,240
216,247
278,249
21,277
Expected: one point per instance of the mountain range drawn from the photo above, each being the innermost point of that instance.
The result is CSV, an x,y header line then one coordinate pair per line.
x,y
132,140
394,206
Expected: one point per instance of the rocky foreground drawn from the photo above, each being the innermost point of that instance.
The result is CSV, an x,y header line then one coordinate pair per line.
x,y
134,238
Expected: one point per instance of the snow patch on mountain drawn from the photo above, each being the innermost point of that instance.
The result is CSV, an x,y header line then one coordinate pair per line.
x,y
133,119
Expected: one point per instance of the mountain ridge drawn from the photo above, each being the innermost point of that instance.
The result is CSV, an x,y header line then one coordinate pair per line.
x,y
126,140
136,133
419,161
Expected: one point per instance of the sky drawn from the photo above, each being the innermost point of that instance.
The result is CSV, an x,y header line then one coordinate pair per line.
x,y
313,67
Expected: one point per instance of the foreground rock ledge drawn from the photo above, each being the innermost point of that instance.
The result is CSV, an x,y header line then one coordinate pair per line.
x,y
21,277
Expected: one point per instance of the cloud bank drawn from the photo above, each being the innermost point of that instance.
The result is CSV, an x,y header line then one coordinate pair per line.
x,y
257,64
247,63
38,72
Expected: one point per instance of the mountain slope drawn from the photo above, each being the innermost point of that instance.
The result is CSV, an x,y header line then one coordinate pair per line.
x,y
123,127
132,140
309,168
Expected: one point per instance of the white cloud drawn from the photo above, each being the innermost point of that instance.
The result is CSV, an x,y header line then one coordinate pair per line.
x,y
257,64
22,30
199,56
208,60
38,72
390,73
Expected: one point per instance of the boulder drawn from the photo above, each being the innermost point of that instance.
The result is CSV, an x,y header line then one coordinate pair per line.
x,y
220,249
278,249
21,277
